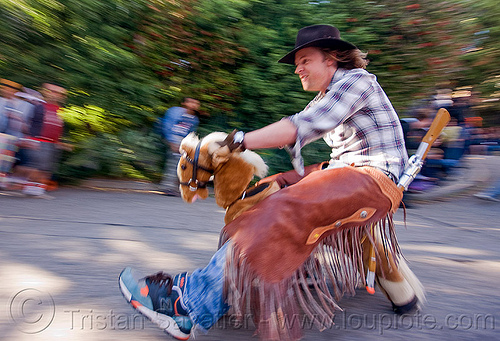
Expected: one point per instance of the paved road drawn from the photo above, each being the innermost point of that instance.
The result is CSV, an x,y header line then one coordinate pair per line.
x,y
59,262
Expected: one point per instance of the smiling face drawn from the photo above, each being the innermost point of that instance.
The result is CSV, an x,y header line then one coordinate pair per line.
x,y
314,69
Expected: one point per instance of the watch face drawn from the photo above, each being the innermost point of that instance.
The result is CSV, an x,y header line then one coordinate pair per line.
x,y
238,137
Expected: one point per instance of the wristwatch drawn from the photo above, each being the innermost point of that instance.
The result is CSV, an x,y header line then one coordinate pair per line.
x,y
238,137
234,141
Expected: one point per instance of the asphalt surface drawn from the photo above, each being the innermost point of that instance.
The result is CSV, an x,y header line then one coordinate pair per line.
x,y
60,259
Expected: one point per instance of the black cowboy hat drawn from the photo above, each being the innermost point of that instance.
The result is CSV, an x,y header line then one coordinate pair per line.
x,y
318,36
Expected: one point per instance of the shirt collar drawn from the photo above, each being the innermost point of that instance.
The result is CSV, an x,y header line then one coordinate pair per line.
x,y
338,75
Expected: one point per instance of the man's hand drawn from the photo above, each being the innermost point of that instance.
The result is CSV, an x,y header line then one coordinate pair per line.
x,y
220,150
234,141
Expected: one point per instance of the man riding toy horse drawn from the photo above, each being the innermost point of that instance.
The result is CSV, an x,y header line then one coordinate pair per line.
x,y
305,237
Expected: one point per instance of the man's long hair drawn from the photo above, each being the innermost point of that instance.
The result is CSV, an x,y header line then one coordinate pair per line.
x,y
349,59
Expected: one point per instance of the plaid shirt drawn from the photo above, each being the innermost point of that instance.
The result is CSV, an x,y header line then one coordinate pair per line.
x,y
357,120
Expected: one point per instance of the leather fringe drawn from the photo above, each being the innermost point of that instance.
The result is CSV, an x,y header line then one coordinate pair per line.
x,y
279,310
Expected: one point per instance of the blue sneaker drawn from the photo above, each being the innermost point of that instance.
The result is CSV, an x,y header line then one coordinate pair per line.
x,y
159,298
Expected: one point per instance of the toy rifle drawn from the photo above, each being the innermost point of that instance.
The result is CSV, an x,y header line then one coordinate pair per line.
x,y
416,161
415,164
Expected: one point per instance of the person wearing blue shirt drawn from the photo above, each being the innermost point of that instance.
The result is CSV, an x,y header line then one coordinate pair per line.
x,y
177,123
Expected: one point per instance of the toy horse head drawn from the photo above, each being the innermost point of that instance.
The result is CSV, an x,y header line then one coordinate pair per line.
x,y
231,174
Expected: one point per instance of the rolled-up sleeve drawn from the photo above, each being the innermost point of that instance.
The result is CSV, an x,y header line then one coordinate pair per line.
x,y
343,99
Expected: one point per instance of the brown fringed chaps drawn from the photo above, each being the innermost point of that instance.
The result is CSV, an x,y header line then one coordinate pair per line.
x,y
297,252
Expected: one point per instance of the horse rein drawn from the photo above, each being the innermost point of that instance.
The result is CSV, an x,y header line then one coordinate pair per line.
x,y
196,166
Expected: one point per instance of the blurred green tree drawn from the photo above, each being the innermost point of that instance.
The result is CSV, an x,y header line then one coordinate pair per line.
x,y
125,62
84,46
482,71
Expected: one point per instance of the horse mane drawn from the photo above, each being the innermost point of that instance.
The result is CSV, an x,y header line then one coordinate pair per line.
x,y
255,160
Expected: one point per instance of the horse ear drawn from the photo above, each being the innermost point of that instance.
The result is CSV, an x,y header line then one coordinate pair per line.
x,y
185,149
188,144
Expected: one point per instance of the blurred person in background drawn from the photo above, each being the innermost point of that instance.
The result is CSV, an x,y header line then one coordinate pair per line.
x,y
46,130
14,112
452,145
494,148
454,139
14,115
177,123
427,178
491,140
35,98
492,193
442,99
417,129
21,170
461,107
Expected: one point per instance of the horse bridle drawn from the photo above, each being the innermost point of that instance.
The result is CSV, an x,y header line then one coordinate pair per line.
x,y
196,166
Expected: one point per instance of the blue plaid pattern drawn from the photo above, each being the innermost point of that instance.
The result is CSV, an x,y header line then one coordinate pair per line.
x,y
357,120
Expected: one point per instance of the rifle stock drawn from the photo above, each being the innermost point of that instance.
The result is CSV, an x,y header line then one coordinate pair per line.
x,y
416,161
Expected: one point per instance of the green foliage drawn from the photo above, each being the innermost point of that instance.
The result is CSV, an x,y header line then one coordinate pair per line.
x,y
105,147
128,154
125,62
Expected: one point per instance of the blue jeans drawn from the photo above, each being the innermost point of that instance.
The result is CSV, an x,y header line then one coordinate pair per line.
x,y
203,294
169,180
